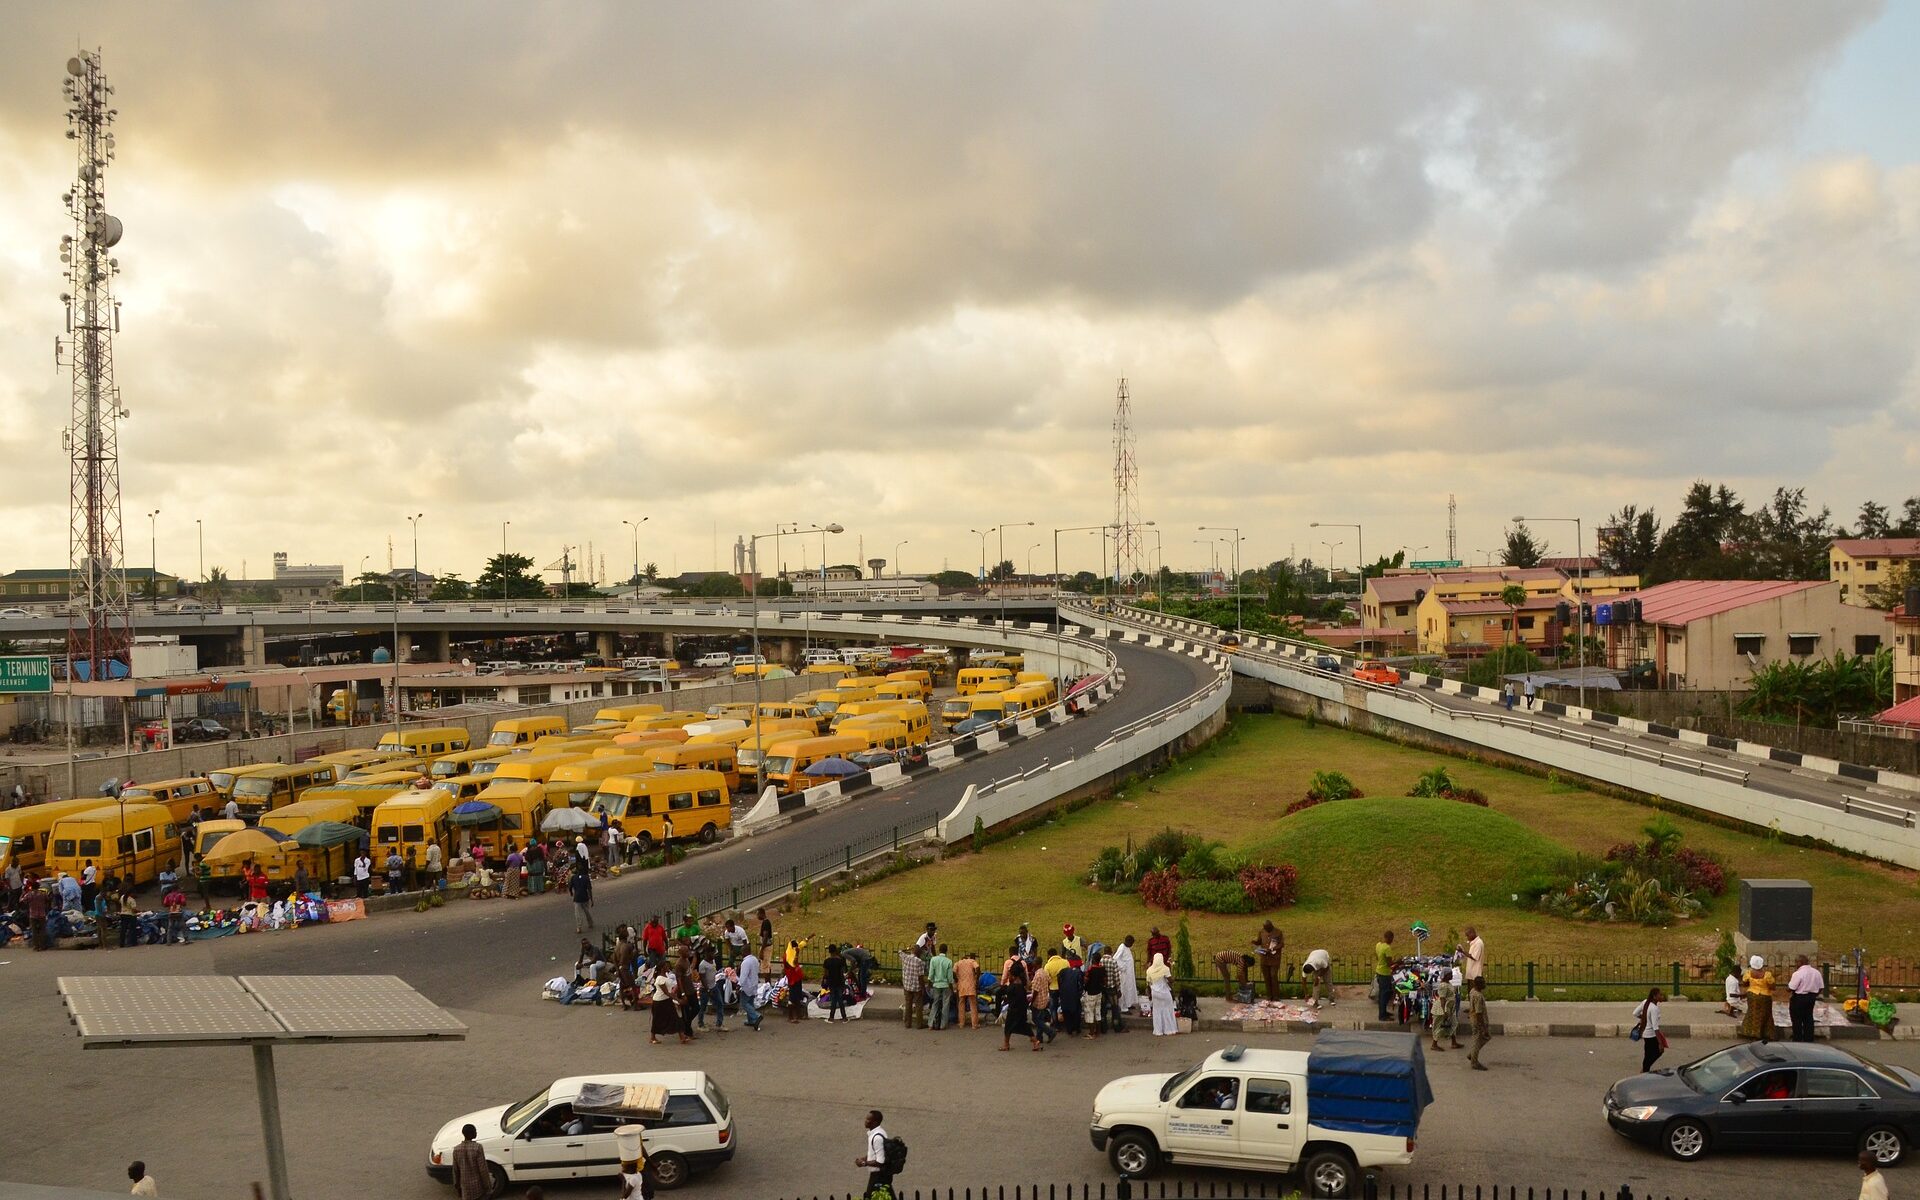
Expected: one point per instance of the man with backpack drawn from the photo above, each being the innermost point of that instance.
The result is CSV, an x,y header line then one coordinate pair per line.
x,y
884,1158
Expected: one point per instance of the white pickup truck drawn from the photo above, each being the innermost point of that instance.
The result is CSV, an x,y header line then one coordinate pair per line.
x,y
1352,1102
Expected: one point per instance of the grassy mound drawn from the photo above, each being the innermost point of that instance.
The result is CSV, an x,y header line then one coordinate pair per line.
x,y
1410,850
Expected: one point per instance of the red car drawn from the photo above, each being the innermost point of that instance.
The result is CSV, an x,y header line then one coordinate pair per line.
x,y
1377,672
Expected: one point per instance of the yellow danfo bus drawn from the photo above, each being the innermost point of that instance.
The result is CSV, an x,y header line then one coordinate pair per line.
x,y
695,801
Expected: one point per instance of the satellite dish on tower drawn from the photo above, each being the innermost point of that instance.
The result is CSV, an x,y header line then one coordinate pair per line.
x,y
76,67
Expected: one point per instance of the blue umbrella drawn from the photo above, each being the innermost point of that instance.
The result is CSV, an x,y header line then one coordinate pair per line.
x,y
473,812
834,767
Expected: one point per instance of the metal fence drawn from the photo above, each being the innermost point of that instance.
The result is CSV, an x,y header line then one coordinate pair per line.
x,y
1598,980
1372,1188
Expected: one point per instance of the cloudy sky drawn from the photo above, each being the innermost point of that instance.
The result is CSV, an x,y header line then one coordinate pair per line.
x,y
881,264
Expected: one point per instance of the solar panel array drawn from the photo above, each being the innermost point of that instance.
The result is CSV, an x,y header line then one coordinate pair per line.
x,y
200,1009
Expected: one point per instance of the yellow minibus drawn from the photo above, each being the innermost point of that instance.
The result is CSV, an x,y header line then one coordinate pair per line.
x,y
23,831
972,679
465,762
429,742
748,755
1041,680
409,823
695,801
515,730
181,796
785,765
132,841
282,783
522,807
696,757
574,784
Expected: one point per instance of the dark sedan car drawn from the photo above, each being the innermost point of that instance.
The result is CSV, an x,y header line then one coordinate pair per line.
x,y
1786,1095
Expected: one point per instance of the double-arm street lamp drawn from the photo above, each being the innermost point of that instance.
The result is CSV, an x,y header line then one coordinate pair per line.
x,y
635,526
1235,531
753,567
1000,531
1359,545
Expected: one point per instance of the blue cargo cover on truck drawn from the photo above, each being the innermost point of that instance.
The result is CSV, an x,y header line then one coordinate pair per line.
x,y
1367,1082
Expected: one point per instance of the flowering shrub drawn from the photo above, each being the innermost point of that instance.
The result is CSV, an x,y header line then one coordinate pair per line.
x,y
1161,889
1270,887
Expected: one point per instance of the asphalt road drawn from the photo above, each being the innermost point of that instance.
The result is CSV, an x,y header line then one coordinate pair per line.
x,y
359,1118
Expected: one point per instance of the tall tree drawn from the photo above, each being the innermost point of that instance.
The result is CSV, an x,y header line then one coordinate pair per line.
x,y
1002,570
369,586
450,587
1900,575
1909,525
961,580
1628,541
1704,541
1873,521
1523,548
509,575
1380,566
1787,540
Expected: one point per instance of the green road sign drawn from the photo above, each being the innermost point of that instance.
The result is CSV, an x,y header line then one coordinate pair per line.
x,y
1438,564
26,675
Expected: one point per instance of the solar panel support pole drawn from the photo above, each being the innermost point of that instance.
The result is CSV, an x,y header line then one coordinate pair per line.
x,y
269,1087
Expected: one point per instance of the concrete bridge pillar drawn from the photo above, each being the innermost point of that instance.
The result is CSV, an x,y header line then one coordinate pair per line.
x,y
439,645
253,646
606,645
403,648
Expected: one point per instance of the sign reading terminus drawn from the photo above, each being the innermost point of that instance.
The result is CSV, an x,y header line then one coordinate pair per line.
x,y
26,675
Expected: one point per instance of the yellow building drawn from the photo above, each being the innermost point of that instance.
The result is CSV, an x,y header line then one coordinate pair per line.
x,y
1462,626
1392,601
1859,564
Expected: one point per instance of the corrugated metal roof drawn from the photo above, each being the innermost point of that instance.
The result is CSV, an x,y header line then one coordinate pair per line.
x,y
1467,608
1907,712
1879,547
1685,600
1398,589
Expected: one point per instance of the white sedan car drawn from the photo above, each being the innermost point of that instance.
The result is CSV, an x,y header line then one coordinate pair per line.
x,y
14,614
542,1137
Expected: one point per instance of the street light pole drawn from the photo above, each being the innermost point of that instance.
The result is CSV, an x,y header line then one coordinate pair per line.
x,y
413,585
1359,548
1579,600
983,554
503,562
635,526
896,557
153,551
1235,531
1056,565
753,566
1000,531
201,532
1330,548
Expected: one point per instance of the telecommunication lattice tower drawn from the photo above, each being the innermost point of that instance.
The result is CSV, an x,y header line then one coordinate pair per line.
x,y
1128,544
100,617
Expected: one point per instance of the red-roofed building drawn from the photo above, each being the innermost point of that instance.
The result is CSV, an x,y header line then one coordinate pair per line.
x,y
1392,601
1454,627
1712,633
1904,625
1859,564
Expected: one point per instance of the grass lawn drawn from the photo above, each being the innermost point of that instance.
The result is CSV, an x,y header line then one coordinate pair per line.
x,y
1383,861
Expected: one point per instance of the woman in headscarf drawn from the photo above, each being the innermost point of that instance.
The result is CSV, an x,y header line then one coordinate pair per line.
x,y
1160,994
1014,983
1758,1022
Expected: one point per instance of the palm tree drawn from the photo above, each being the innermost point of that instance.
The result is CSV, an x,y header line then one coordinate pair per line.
x,y
216,585
1513,596
650,572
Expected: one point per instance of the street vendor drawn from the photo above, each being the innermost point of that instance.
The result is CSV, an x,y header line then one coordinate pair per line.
x,y
1268,945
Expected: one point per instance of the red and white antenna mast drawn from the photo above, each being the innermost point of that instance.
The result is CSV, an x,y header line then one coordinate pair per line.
x,y
1129,545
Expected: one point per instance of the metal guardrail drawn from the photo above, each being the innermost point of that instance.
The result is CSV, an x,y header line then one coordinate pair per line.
x,y
1664,758
1880,812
